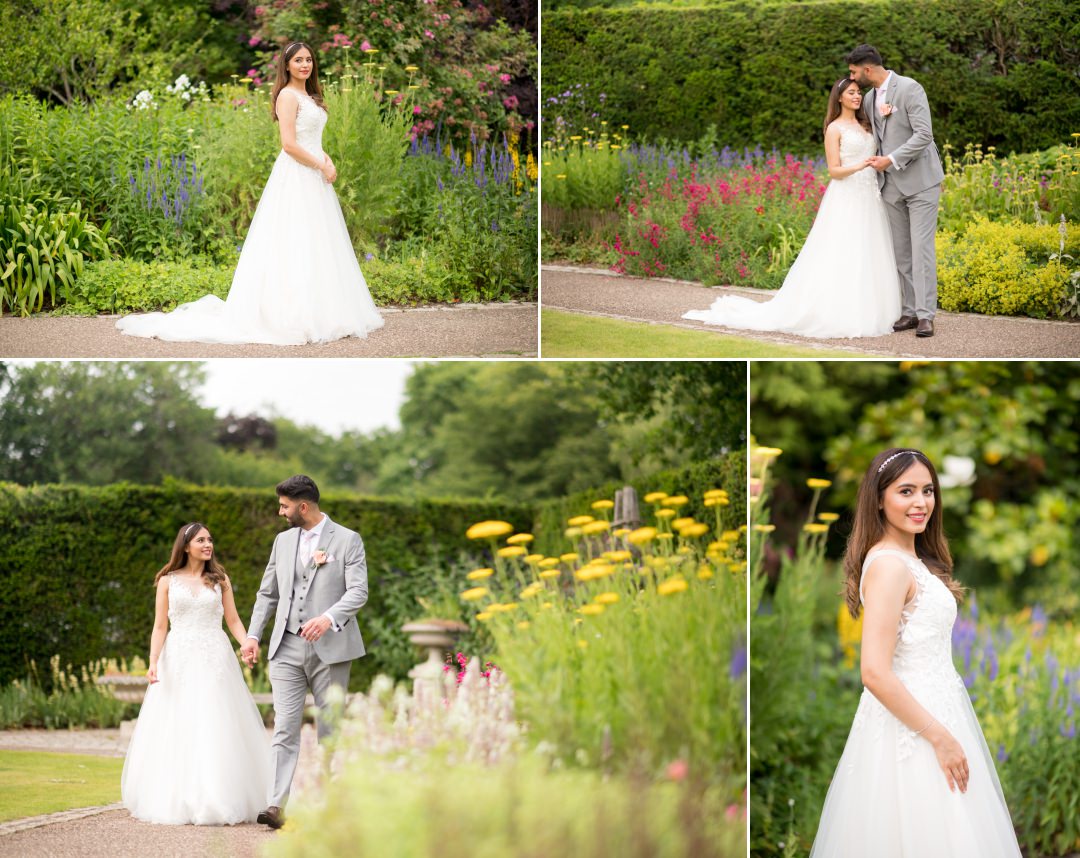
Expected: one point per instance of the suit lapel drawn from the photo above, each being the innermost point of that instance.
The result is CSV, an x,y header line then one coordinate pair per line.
x,y
292,551
323,543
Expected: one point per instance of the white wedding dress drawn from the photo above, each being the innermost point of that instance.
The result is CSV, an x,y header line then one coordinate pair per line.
x,y
199,753
297,280
889,797
844,281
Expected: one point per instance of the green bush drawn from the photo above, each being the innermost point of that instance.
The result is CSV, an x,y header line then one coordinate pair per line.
x,y
1005,269
995,71
78,564
130,286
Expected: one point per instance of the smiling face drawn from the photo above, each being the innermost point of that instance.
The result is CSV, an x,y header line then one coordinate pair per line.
x,y
292,511
908,502
200,547
852,96
300,65
859,74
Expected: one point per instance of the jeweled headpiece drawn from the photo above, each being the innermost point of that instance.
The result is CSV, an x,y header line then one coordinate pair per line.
x,y
893,456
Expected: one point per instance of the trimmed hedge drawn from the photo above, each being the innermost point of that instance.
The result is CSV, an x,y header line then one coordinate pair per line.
x,y
727,472
77,564
996,71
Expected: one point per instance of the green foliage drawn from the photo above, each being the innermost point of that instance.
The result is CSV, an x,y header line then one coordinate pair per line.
x,y
995,72
127,285
44,245
63,700
1006,269
79,563
583,177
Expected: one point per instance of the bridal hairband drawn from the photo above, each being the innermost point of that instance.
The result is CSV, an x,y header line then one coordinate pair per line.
x,y
893,456
188,531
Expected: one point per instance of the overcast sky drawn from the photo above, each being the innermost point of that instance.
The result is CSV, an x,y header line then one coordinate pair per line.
x,y
334,395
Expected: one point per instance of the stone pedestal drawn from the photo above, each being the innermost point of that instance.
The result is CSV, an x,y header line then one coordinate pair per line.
x,y
438,638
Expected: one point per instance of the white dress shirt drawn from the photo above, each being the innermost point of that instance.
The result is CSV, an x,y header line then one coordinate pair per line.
x,y
880,100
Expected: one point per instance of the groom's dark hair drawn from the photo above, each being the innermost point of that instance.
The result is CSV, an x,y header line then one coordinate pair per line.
x,y
864,55
299,488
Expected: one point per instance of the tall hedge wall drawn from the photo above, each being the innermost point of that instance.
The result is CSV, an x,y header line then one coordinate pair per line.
x,y
997,72
727,472
77,564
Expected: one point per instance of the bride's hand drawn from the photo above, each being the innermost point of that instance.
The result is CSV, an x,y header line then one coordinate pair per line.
x,y
329,171
151,674
951,757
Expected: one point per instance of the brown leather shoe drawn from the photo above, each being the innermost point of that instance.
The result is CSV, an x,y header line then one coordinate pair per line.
x,y
925,328
272,816
905,323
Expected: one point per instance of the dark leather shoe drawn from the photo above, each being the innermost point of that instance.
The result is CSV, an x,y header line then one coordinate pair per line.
x,y
272,816
905,323
925,328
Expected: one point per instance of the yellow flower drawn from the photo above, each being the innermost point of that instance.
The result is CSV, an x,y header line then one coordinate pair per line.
x,y
583,644
591,610
579,520
617,556
1039,556
621,531
607,598
666,513
569,557
509,606
572,532
829,516
655,497
484,616
850,633
603,504
412,68
704,572
395,92
672,586
814,527
817,483
680,523
534,558
767,453
730,535
595,527
511,551
715,493
677,501
641,536
764,528
683,550
546,605
550,573
520,539
719,545
665,536
524,624
534,588
549,563
694,530
245,80
740,566
474,593
717,502
478,574
489,530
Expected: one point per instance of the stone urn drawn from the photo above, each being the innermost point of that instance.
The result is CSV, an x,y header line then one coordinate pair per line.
x,y
127,687
438,638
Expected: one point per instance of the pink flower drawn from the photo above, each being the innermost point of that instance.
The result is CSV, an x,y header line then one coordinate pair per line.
x,y
251,73
253,41
259,10
417,110
510,102
365,45
505,78
732,812
429,34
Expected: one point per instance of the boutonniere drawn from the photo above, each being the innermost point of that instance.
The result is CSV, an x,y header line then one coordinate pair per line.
x,y
885,109
320,558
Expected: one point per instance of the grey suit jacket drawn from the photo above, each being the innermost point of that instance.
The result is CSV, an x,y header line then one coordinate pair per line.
x,y
339,587
907,134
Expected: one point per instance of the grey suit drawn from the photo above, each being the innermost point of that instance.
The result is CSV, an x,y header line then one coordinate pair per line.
x,y
295,593
911,189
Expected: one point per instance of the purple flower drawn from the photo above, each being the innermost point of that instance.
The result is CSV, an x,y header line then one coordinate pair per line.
x,y
738,662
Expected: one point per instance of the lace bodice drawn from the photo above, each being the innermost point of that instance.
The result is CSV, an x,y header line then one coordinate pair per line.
x,y
922,659
857,145
191,611
310,122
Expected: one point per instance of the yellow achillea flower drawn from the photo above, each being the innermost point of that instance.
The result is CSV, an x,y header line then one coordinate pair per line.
x,y
607,598
524,624
665,536
764,528
704,572
603,504
580,520
572,532
471,595
550,573
666,513
569,557
829,516
489,530
591,610
672,586
680,523
641,536
621,531
715,493
617,556
814,527
730,535
850,633
533,558
484,616
511,551
655,497
478,574
520,539
549,563
694,530
817,483
595,527
583,644
767,453
677,501
740,566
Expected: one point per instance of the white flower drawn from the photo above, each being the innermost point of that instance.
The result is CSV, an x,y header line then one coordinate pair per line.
x,y
144,100
957,471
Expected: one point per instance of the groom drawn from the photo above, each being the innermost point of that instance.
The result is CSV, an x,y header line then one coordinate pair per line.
x,y
314,585
910,176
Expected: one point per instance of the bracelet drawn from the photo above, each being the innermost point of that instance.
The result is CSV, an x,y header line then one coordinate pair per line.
x,y
927,727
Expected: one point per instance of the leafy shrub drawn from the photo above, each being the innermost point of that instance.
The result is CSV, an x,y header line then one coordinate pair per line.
x,y
1004,269
126,285
44,245
64,699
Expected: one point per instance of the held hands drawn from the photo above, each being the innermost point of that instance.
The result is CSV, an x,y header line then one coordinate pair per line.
x,y
881,163
314,629
950,756
249,652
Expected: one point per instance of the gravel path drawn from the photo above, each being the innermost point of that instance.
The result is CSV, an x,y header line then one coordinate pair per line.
x,y
589,291
109,831
461,330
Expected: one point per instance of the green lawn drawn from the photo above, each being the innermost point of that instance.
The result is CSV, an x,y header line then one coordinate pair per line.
x,y
33,783
568,335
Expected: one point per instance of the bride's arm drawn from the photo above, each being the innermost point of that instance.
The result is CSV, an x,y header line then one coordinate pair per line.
x,y
232,618
288,105
161,626
886,592
832,155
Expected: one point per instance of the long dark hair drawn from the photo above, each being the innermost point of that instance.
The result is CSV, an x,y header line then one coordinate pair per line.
x,y
213,571
833,110
282,79
931,546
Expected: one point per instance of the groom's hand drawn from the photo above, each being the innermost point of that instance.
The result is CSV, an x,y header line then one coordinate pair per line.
x,y
249,652
881,163
314,629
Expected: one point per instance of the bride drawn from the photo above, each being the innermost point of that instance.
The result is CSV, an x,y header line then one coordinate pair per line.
x,y
916,779
297,280
199,753
844,282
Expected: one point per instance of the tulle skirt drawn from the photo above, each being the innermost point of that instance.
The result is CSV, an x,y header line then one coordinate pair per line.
x,y
889,797
199,753
844,281
297,281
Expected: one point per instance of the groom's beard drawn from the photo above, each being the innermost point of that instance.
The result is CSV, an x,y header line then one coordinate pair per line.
x,y
294,520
